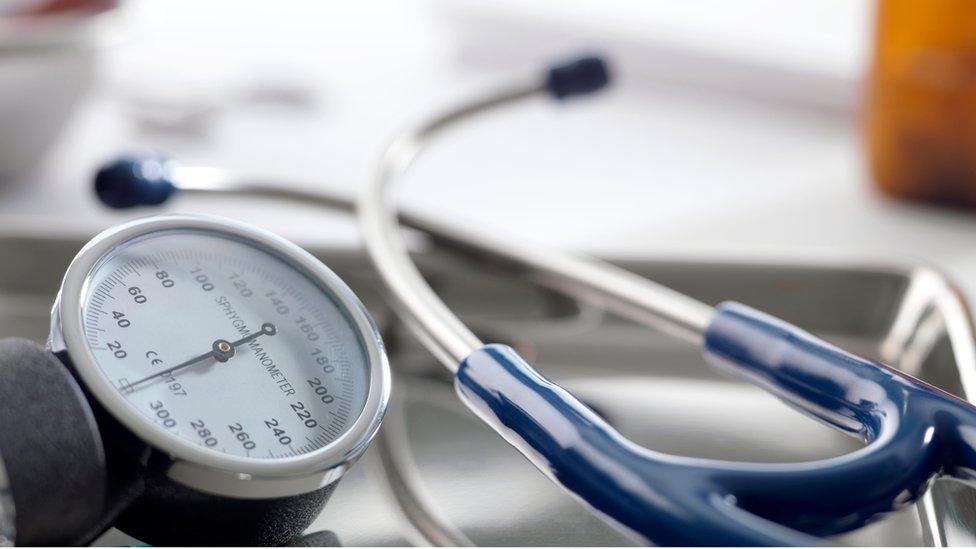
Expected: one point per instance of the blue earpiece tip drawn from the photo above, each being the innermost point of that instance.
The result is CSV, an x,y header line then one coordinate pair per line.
x,y
577,77
134,181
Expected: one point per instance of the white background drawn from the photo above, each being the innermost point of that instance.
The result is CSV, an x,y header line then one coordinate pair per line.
x,y
731,128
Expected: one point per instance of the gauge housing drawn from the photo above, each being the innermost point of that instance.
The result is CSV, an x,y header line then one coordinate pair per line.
x,y
192,465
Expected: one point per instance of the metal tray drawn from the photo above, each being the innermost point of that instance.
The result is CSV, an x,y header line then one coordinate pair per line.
x,y
435,463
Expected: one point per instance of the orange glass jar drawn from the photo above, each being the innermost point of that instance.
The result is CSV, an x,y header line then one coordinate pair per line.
x,y
920,104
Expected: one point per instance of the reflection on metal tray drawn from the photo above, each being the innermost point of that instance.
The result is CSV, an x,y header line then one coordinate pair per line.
x,y
435,463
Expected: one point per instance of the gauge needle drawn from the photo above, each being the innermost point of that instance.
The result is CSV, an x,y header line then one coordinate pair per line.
x,y
221,351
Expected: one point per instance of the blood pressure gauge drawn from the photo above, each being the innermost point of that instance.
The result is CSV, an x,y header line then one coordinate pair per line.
x,y
234,354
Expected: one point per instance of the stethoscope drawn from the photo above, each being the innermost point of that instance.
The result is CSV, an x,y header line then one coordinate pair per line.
x,y
913,431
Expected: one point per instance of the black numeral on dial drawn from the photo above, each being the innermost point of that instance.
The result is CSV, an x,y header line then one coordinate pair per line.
x,y
278,432
137,295
203,432
242,436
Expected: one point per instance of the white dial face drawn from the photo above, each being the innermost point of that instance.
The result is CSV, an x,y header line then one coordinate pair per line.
x,y
218,342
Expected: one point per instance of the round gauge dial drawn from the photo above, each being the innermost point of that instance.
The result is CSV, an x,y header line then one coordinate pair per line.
x,y
224,344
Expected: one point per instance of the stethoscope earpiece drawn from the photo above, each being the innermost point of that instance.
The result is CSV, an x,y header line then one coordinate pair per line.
x,y
580,76
134,180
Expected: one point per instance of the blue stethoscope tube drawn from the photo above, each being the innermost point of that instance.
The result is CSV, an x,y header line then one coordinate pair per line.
x,y
914,432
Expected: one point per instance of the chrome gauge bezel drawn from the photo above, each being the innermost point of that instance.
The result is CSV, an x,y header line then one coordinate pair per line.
x,y
192,465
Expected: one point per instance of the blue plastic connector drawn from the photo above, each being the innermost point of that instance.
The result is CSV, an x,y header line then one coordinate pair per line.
x,y
580,76
132,181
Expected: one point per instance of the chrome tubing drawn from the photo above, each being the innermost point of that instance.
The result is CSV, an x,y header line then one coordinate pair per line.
x,y
587,278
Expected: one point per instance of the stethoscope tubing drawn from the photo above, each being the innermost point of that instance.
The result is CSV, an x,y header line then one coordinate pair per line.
x,y
711,502
431,320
